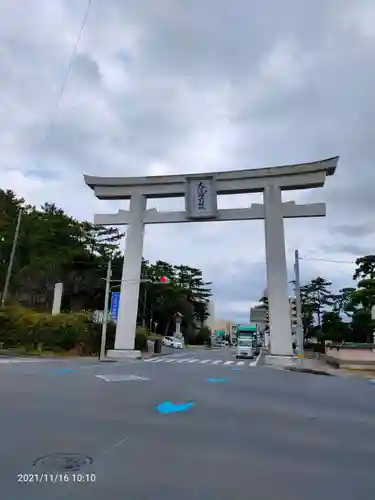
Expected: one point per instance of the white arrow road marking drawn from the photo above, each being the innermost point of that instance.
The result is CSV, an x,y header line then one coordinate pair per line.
x,y
120,378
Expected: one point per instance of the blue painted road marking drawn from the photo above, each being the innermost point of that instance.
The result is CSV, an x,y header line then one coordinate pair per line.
x,y
168,407
64,370
216,380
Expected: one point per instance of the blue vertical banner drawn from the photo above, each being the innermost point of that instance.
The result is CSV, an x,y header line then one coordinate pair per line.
x,y
115,302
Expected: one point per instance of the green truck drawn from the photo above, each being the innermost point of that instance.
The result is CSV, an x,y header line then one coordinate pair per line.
x,y
250,333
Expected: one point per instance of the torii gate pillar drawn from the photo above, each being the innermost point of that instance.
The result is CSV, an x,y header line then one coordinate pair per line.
x,y
200,192
277,277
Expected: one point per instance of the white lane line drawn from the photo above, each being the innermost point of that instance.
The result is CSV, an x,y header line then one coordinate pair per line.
x,y
170,360
203,361
120,378
240,363
17,361
217,362
254,363
228,362
194,360
183,360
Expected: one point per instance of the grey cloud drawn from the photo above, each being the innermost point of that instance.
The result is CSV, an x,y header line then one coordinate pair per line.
x,y
155,82
219,39
86,67
353,249
357,231
242,282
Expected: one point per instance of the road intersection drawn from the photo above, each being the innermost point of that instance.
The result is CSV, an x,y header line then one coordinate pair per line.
x,y
224,357
153,431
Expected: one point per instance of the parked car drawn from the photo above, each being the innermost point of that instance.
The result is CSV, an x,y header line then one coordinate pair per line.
x,y
172,342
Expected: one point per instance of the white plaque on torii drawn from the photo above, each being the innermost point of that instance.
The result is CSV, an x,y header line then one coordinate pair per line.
x,y
201,198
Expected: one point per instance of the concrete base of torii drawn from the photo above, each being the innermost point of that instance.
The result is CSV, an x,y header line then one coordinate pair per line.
x,y
123,354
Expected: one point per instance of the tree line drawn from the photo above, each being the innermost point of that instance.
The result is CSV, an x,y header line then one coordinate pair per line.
x,y
344,316
54,247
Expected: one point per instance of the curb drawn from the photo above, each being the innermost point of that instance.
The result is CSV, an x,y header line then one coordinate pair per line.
x,y
312,371
153,355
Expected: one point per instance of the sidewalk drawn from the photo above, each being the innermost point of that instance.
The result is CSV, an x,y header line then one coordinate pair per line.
x,y
314,366
292,363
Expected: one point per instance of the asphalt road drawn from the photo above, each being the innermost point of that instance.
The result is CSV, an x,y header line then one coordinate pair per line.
x,y
248,433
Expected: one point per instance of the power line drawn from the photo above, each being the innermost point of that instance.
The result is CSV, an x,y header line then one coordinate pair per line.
x,y
46,137
330,261
67,74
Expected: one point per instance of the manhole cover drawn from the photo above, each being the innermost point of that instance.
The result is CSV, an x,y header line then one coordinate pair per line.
x,y
62,462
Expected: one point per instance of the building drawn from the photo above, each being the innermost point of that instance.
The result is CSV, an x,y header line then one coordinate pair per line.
x,y
210,321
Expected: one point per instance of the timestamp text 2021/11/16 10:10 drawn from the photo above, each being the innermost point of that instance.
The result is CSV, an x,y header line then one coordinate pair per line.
x,y
56,478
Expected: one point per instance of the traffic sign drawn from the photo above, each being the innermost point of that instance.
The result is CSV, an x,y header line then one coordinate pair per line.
x,y
97,316
115,303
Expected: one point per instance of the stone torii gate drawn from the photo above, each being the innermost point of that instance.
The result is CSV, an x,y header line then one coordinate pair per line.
x,y
200,192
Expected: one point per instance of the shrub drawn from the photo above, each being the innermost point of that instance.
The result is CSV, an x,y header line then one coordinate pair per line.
x,y
22,327
141,339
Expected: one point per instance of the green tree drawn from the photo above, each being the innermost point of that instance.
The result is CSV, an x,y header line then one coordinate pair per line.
x,y
363,298
365,267
318,296
343,301
334,328
53,247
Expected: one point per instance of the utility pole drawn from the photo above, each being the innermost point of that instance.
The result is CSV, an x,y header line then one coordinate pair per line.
x,y
144,305
11,259
105,312
298,307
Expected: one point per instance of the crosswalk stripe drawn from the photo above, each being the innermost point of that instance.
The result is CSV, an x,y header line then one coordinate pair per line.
x,y
197,360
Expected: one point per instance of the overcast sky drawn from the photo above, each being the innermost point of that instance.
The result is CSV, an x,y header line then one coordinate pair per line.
x,y
173,86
